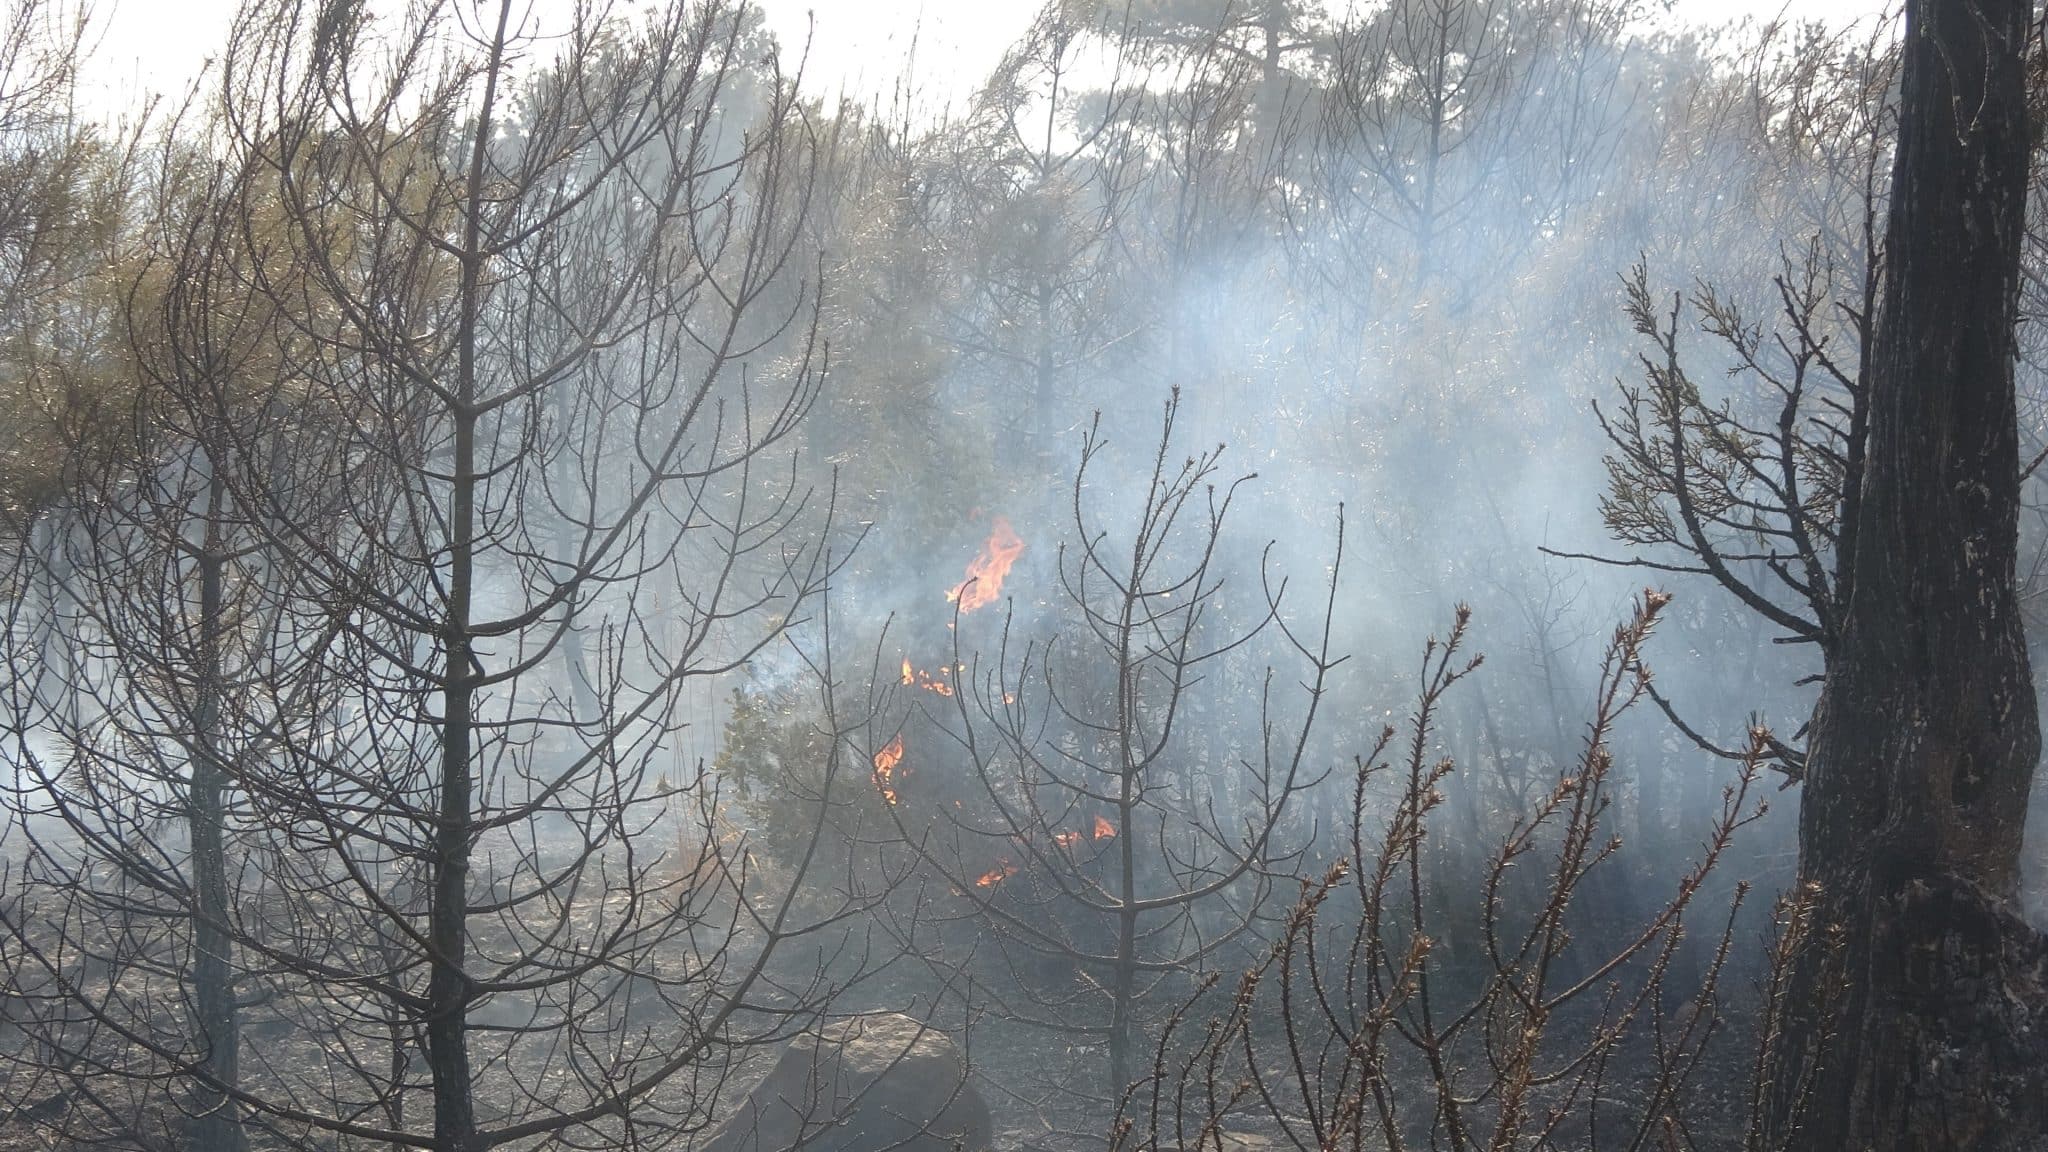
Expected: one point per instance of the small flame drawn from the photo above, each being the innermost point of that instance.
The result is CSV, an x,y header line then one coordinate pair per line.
x,y
1104,830
984,583
885,768
996,875
918,677
1066,839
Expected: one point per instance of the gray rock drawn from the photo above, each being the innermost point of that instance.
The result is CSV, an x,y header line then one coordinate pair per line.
x,y
880,1083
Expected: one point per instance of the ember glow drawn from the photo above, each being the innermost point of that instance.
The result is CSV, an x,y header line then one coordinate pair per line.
x,y
1003,870
885,768
984,583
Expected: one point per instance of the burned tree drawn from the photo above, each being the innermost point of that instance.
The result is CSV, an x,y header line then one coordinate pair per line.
x,y
1099,843
1877,517
1753,485
504,468
1358,1030
552,293
124,751
1926,735
1038,179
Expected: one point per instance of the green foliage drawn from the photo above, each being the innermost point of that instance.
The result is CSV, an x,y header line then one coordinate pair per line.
x,y
776,755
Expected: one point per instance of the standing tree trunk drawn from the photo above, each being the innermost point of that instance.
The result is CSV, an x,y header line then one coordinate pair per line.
x,y
217,1128
449,989
1915,1023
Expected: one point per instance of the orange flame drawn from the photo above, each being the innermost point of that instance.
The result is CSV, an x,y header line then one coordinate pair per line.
x,y
885,768
1066,839
996,875
929,681
1104,830
984,581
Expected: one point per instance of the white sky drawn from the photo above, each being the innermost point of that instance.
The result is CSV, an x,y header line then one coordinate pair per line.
x,y
159,46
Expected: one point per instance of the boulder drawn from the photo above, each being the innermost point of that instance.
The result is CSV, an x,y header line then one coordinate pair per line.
x,y
877,1083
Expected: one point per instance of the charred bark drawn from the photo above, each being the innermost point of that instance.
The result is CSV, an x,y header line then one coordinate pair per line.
x,y
216,1128
1926,734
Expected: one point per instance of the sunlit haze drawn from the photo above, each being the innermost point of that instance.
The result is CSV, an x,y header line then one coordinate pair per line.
x,y
1023,575
859,47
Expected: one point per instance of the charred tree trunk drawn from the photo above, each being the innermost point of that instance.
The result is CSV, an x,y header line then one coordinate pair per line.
x,y
450,988
216,1128
1916,1023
